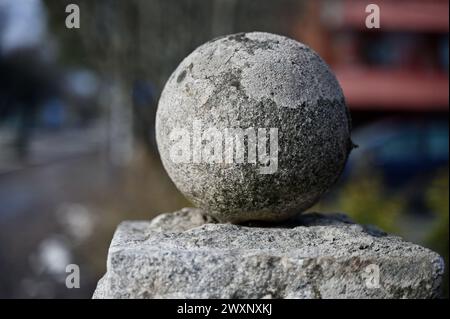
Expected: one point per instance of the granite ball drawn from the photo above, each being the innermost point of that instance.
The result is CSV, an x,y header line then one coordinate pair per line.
x,y
253,126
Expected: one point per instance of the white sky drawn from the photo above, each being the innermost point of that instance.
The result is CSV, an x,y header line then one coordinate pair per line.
x,y
22,24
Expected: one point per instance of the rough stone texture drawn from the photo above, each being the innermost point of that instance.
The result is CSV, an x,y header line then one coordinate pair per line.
x,y
255,80
315,256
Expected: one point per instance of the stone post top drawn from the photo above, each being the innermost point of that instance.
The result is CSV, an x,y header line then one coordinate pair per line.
x,y
186,255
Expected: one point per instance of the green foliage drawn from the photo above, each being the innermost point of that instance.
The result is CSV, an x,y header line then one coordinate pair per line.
x,y
365,202
438,236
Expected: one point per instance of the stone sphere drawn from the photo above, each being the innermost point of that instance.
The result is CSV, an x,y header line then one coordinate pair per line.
x,y
253,126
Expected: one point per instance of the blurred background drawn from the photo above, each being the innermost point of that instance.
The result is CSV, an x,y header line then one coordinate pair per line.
x,y
77,111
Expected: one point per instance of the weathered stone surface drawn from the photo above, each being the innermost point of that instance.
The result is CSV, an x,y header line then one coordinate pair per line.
x,y
315,256
253,81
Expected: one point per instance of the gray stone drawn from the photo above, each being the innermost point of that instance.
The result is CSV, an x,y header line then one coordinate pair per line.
x,y
179,255
253,81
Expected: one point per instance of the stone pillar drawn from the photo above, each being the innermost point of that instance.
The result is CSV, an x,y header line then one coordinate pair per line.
x,y
251,84
185,255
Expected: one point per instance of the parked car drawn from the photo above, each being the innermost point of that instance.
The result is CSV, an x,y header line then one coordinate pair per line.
x,y
402,150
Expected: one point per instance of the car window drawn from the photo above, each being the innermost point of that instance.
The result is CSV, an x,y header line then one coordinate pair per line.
x,y
438,143
402,147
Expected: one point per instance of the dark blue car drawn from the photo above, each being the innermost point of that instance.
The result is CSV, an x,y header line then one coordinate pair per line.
x,y
403,150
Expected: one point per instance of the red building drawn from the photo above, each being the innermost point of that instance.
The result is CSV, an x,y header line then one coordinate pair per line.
x,y
402,66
